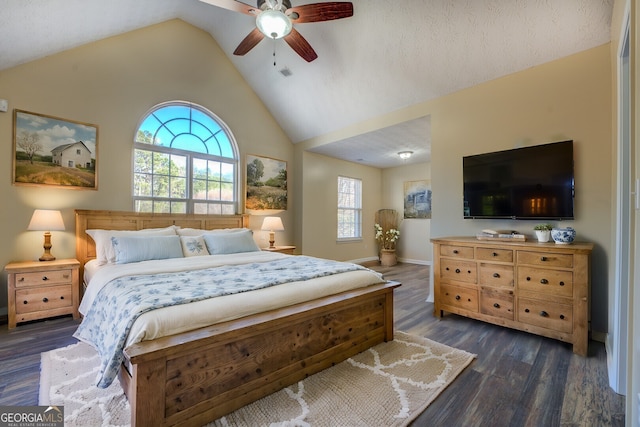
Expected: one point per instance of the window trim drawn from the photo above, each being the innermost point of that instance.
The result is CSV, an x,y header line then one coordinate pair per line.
x,y
358,210
190,155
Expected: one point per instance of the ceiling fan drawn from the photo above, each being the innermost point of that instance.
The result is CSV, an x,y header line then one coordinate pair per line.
x,y
275,19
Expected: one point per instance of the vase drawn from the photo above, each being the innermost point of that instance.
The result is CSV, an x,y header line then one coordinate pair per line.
x,y
388,257
543,235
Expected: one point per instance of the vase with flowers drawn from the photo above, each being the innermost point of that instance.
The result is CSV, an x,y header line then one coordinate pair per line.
x,y
387,234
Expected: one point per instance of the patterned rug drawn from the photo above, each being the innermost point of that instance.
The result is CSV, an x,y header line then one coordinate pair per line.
x,y
389,384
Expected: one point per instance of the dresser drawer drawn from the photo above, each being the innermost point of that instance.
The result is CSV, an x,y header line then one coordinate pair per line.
x,y
496,303
43,298
459,270
547,314
460,297
456,251
496,275
492,254
545,282
544,259
40,278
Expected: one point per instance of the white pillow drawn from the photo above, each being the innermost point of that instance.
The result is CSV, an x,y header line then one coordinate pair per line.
x,y
193,246
230,243
144,248
102,238
200,231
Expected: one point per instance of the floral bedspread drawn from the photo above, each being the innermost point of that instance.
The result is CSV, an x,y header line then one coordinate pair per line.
x,y
123,300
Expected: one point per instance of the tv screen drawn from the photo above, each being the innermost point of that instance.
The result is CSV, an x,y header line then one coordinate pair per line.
x,y
523,183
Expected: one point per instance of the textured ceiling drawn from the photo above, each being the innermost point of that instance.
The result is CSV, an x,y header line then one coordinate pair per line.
x,y
389,55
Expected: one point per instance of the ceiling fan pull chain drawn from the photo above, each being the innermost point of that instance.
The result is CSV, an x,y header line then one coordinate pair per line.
x,y
274,52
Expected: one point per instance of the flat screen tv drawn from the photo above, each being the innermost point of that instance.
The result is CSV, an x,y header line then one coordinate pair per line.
x,y
523,183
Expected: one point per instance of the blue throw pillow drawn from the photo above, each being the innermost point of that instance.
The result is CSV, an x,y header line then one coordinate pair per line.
x,y
135,249
231,243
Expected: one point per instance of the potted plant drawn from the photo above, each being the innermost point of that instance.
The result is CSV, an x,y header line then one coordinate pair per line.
x,y
543,232
387,234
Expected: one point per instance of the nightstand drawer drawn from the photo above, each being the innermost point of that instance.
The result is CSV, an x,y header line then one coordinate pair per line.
x,y
40,278
43,298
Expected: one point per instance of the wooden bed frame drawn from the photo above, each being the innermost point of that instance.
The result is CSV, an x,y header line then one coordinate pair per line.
x,y
198,376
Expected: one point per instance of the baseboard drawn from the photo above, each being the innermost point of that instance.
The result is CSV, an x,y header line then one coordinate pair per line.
x,y
415,261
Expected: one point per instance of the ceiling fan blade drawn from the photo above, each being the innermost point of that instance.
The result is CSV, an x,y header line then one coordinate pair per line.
x,y
301,45
233,5
317,12
249,42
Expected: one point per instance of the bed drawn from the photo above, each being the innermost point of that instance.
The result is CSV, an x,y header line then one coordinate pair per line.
x,y
195,376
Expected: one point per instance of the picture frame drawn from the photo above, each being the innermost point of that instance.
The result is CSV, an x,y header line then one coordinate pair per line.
x,y
417,199
266,183
54,152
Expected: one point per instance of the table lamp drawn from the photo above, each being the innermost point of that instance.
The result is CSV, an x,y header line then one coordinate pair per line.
x,y
273,224
46,220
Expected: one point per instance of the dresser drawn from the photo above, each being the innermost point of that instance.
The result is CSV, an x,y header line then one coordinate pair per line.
x,y
541,288
42,289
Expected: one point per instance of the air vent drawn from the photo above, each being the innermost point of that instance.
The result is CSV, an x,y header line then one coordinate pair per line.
x,y
286,72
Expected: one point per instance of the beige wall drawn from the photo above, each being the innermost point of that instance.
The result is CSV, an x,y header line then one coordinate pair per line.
x,y
318,207
112,83
414,245
569,98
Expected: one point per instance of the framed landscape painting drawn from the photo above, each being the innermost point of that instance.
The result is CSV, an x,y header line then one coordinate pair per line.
x,y
51,151
266,184
417,199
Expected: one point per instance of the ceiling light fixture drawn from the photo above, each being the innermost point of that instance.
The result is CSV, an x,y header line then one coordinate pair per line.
x,y
274,24
404,155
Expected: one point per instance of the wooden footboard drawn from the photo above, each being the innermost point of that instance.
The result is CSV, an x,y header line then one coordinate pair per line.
x,y
196,377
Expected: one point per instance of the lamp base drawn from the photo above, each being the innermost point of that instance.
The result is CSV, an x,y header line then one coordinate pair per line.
x,y
272,239
46,256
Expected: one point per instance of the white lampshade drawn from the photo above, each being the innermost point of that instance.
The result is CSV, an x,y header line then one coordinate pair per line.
x,y
272,223
46,220
274,24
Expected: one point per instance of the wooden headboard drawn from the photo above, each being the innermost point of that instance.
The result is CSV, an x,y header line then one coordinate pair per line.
x,y
115,220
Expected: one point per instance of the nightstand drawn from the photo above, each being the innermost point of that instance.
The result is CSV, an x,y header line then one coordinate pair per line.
x,y
42,289
282,249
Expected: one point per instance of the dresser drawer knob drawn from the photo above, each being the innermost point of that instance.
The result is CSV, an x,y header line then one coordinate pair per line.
x,y
62,297
21,279
455,251
45,278
25,302
526,310
496,305
562,317
543,258
458,297
496,275
45,299
544,314
544,281
457,270
561,283
494,254
528,279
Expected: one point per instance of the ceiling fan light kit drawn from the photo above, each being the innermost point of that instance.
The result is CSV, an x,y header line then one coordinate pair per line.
x,y
274,24
275,19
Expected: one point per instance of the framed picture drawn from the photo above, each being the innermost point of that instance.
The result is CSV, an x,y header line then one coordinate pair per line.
x,y
50,151
417,199
266,183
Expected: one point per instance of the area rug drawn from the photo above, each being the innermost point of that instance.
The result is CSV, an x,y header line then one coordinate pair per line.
x,y
389,384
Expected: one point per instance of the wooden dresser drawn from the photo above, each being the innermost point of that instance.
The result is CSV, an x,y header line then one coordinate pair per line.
x,y
542,288
42,289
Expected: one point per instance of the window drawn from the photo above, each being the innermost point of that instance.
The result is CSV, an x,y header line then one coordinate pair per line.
x,y
185,161
349,208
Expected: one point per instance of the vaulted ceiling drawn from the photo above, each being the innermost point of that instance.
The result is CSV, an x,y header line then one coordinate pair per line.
x,y
389,55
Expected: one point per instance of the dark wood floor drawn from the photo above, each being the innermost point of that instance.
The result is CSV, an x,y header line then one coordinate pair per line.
x,y
518,379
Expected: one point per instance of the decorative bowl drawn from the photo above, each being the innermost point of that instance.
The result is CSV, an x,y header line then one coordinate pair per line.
x,y
563,236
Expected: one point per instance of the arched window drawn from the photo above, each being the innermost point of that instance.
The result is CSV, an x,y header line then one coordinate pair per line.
x,y
185,161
